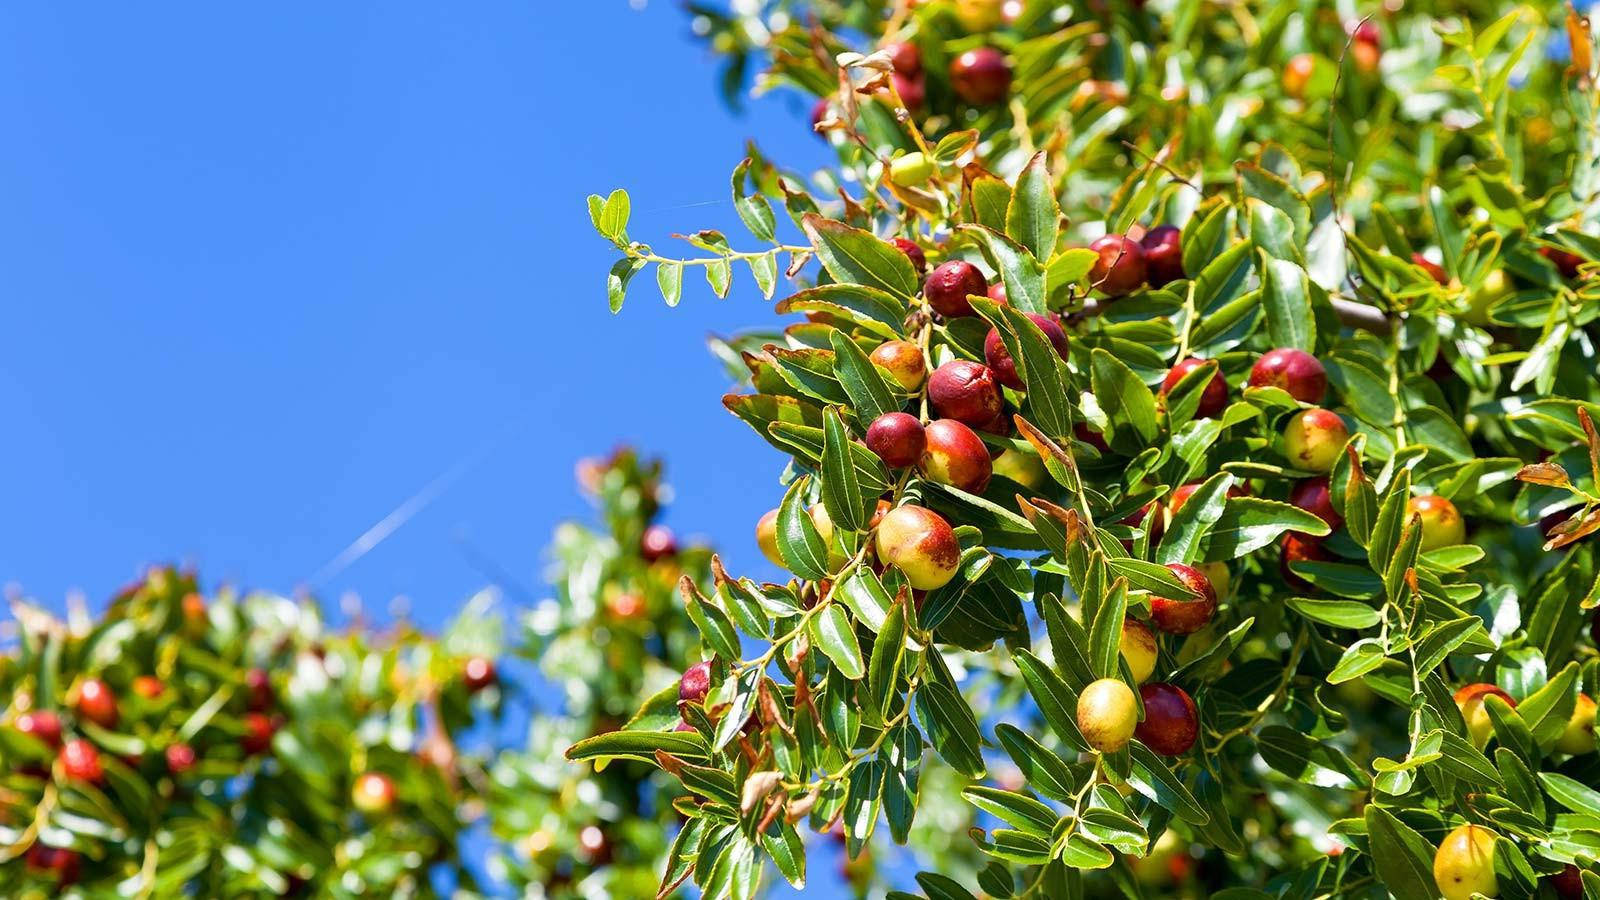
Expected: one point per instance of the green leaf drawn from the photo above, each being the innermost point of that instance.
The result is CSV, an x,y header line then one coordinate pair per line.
x,y
1193,521
1572,794
887,653
612,218
1017,810
1338,613
940,887
1404,860
640,745
1022,275
848,506
1127,402
1152,778
753,209
1250,523
832,632
1105,636
669,277
878,310
1033,214
1547,710
853,256
951,727
861,379
622,272
1042,768
799,543
1286,296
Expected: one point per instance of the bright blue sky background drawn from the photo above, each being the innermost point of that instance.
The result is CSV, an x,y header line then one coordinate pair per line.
x,y
268,272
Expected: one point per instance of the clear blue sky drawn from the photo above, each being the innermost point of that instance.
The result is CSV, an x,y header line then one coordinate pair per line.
x,y
267,272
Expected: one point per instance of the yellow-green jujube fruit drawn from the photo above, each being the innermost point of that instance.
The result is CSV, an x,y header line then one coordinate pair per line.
x,y
1107,714
1578,738
1464,864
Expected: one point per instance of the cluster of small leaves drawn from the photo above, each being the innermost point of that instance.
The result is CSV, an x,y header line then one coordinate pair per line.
x,y
1452,307
613,638
184,745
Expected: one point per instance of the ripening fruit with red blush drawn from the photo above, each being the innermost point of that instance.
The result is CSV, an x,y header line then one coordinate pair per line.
x,y
180,758
965,391
258,732
149,687
1182,493
999,358
1469,700
903,361
1297,75
80,761
1578,737
981,76
953,454
1171,722
96,703
897,438
919,260
1118,266
950,283
1434,270
43,725
478,673
1297,548
1314,438
1311,495
1442,525
373,794
1213,398
921,544
1294,370
1163,254
997,293
695,683
1107,714
1185,616
657,543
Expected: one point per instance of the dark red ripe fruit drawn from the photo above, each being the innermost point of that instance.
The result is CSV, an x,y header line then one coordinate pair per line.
x,y
1163,254
1185,616
1171,722
695,683
478,673
657,543
1567,883
1000,361
258,732
981,76
912,90
1294,370
919,260
905,57
63,862
1566,262
1312,496
259,687
80,761
1431,267
897,438
1212,399
180,758
96,703
1091,437
1119,269
1143,518
44,725
965,391
950,283
997,293
1299,549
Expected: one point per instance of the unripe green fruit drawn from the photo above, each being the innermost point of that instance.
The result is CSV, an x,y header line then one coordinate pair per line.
x,y
1495,286
1107,714
1578,738
921,544
1314,438
1464,864
1138,647
911,170
1442,525
1026,469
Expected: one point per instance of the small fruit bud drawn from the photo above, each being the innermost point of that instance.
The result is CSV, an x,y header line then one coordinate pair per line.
x,y
657,543
96,703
